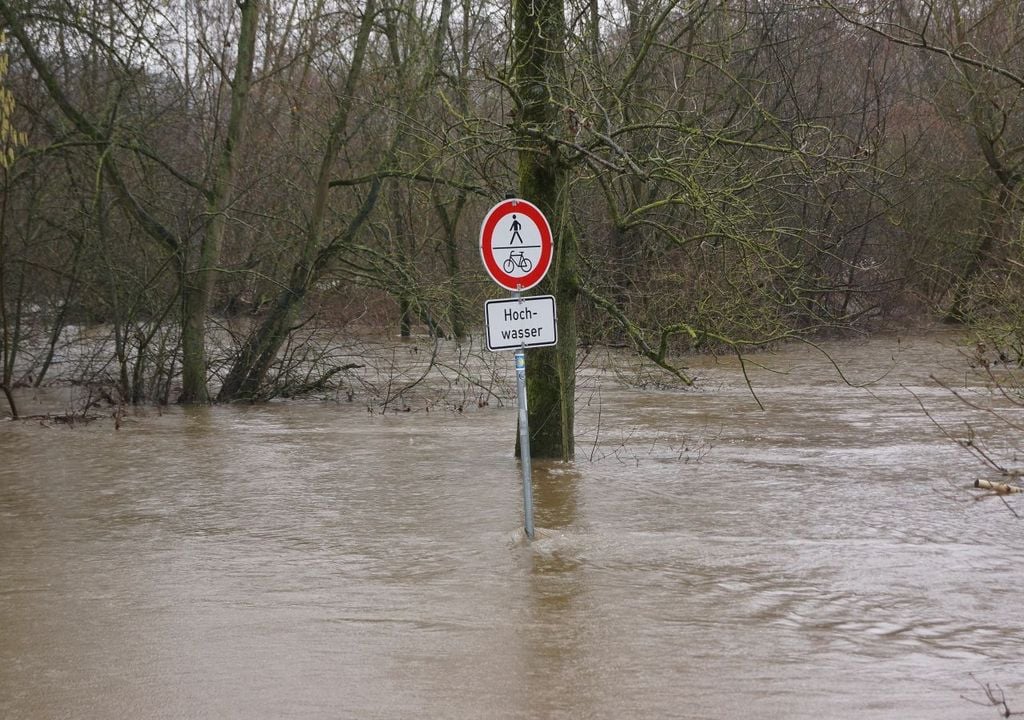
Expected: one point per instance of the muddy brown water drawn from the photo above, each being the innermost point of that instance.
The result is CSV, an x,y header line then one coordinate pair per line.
x,y
702,558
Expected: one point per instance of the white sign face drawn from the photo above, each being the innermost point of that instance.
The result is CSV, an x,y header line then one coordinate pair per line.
x,y
515,244
521,322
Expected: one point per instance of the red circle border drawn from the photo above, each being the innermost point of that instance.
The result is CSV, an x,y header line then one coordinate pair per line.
x,y
493,217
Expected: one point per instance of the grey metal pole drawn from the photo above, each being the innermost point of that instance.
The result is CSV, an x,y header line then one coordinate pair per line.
x,y
524,437
524,442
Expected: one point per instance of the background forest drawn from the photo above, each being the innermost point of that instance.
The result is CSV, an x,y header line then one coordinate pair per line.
x,y
207,191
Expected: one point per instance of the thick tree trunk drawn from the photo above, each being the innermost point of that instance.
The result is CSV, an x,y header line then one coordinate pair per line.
x,y
538,45
197,286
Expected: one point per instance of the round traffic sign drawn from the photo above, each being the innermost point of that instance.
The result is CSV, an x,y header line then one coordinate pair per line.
x,y
515,244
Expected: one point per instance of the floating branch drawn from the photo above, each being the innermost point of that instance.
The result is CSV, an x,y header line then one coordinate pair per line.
x,y
998,488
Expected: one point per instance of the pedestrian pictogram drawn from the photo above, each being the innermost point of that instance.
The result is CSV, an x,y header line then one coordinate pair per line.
x,y
516,227
516,244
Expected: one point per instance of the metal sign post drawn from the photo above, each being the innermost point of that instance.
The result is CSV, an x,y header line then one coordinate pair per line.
x,y
516,249
524,441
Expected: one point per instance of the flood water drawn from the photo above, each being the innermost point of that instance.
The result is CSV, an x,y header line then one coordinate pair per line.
x,y
702,558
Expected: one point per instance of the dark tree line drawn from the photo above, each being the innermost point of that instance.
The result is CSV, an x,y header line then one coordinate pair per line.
x,y
206,184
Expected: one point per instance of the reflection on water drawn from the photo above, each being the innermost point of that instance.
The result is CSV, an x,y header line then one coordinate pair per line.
x,y
819,558
556,488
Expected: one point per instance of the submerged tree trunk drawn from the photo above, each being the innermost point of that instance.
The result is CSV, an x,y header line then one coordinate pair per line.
x,y
993,228
8,349
246,377
538,45
197,286
450,221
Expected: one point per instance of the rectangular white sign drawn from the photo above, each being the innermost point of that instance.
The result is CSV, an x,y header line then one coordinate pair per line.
x,y
521,322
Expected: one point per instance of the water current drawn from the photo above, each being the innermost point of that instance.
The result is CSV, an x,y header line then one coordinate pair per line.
x,y
822,557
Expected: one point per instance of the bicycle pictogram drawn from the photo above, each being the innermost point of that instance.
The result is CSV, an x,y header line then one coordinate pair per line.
x,y
517,260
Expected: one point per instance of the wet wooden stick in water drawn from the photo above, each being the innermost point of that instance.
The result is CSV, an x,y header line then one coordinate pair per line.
x,y
1001,488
